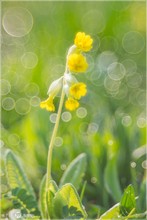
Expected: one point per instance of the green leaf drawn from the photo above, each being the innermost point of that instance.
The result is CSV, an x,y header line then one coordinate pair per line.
x,y
111,180
127,203
52,189
47,197
140,216
141,201
75,171
24,201
42,197
111,213
124,208
83,190
67,204
16,175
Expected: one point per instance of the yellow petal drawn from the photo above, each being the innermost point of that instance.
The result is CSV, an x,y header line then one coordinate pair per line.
x,y
78,90
43,104
71,104
83,41
77,63
48,104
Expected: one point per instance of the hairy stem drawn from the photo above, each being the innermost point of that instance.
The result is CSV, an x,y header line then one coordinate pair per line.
x,y
51,145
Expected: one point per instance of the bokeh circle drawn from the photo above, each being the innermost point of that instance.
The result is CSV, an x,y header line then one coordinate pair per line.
x,y
17,21
133,42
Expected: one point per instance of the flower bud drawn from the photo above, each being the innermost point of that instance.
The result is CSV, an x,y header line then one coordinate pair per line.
x,y
69,78
55,87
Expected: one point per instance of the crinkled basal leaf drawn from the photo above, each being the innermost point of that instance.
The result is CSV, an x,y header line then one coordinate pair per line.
x,y
127,203
16,175
67,204
24,201
111,180
112,213
47,197
75,171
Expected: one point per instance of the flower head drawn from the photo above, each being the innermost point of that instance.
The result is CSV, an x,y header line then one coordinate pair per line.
x,y
71,104
77,63
78,90
83,41
48,104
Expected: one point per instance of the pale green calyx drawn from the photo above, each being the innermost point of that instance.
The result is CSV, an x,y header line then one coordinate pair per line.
x,y
71,50
69,78
66,89
55,87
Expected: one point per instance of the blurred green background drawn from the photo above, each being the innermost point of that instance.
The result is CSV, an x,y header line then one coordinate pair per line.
x,y
110,124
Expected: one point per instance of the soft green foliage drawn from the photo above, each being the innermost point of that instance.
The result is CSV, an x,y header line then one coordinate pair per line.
x,y
52,190
16,175
65,198
62,203
112,213
126,209
46,197
75,171
141,201
25,202
42,197
128,203
22,193
111,179
67,204
110,128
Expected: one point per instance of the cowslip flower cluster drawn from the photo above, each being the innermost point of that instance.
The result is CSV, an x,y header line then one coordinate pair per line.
x,y
76,63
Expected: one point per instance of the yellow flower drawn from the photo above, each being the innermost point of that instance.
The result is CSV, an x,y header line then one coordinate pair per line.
x,y
83,41
77,63
48,104
71,104
77,90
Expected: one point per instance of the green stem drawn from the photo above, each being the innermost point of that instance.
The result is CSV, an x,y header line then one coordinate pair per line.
x,y
49,160
51,145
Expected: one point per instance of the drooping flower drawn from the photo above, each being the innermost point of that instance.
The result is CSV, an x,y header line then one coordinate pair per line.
x,y
77,63
48,104
71,104
83,41
78,90
53,90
